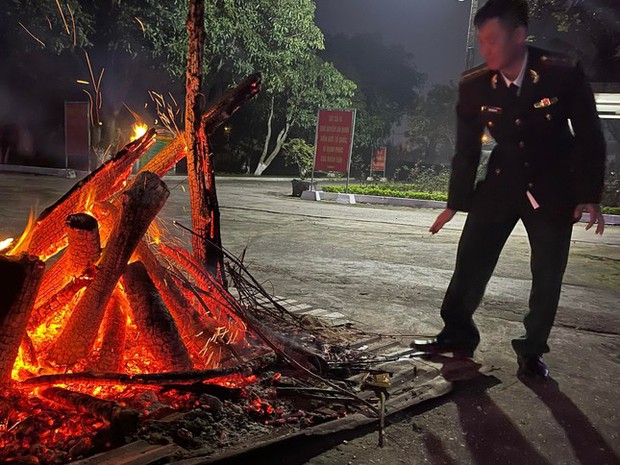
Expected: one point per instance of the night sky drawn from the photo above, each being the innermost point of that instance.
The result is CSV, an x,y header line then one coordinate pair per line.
x,y
434,31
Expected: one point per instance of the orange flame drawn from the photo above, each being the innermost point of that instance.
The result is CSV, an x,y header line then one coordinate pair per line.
x,y
139,129
22,243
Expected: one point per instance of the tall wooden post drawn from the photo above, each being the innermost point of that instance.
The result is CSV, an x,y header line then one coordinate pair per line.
x,y
206,243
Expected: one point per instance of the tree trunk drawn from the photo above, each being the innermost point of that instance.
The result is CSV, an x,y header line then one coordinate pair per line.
x,y
261,163
279,143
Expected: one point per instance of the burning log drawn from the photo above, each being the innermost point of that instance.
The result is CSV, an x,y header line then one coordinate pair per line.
x,y
125,418
60,299
48,237
141,203
20,282
195,330
214,117
29,351
114,335
153,320
82,253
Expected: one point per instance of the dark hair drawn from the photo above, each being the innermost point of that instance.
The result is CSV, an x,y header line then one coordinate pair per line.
x,y
512,13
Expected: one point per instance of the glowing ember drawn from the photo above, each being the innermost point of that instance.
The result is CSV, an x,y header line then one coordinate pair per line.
x,y
139,129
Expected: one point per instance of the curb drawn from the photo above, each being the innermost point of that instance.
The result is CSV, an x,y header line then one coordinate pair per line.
x,y
61,172
612,220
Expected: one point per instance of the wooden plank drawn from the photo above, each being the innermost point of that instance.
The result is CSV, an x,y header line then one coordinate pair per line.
x,y
435,388
135,453
382,345
366,342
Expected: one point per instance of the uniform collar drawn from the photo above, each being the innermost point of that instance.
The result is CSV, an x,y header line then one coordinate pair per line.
x,y
519,80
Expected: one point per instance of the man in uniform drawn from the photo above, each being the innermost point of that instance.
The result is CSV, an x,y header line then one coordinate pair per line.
x,y
546,170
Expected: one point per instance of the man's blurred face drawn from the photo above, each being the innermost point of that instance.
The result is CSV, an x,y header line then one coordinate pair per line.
x,y
500,45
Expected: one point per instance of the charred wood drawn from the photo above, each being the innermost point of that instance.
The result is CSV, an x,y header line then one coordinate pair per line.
x,y
83,251
49,236
214,117
21,278
140,204
153,320
245,369
119,416
112,350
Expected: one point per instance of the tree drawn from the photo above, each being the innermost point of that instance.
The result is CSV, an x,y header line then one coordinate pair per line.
x,y
386,78
432,121
300,91
587,24
298,152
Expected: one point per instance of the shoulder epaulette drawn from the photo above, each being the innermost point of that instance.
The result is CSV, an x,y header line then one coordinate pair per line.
x,y
473,73
558,60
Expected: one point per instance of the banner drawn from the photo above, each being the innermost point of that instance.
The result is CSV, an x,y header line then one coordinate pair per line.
x,y
378,159
77,136
334,140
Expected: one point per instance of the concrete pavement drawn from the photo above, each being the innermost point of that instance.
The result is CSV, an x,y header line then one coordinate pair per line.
x,y
379,266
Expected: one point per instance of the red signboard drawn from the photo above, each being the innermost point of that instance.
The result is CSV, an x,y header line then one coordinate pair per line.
x,y
378,159
77,135
334,139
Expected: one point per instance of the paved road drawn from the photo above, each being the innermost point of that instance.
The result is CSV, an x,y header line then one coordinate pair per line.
x,y
381,268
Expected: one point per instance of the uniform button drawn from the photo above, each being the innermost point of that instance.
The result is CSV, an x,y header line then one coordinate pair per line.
x,y
548,116
490,124
518,122
521,144
530,185
526,164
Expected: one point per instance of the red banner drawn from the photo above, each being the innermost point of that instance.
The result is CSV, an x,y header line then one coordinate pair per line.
x,y
334,139
77,135
378,159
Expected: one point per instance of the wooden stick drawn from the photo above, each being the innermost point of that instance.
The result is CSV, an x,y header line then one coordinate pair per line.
x,y
245,369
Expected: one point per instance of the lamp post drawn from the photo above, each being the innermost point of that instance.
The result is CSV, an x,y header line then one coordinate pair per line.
x,y
471,36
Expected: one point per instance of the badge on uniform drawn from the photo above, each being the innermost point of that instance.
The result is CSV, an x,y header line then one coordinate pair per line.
x,y
488,109
546,102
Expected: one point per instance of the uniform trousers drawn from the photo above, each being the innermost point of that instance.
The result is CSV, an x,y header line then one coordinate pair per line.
x,y
486,230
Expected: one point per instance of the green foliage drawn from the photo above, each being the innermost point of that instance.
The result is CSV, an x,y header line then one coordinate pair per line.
x,y
611,210
435,178
42,19
298,152
388,190
432,122
386,78
598,22
312,85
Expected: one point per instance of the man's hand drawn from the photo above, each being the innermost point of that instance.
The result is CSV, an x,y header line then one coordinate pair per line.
x,y
441,220
596,217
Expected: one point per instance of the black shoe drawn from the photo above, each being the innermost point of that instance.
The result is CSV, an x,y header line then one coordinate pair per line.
x,y
436,346
532,366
